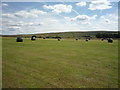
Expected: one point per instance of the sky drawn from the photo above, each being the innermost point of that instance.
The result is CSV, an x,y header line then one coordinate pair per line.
x,y
47,17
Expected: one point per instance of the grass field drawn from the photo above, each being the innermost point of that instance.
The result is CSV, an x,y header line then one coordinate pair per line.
x,y
59,64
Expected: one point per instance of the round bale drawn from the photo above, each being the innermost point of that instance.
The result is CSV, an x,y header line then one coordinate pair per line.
x,y
76,39
110,40
86,40
58,39
33,38
102,39
43,37
19,39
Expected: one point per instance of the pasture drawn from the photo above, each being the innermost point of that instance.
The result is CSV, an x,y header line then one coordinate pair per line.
x,y
59,64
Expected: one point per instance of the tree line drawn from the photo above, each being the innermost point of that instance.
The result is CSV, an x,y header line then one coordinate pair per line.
x,y
107,35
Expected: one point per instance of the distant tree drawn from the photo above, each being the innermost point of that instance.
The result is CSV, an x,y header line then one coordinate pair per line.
x,y
47,37
107,35
58,37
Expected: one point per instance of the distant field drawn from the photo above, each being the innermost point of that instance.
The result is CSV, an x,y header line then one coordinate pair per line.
x,y
59,64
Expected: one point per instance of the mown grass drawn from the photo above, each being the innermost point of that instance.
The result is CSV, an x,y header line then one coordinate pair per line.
x,y
60,64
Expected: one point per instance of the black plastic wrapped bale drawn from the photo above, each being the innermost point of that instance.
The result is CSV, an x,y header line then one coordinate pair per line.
x,y
58,39
19,39
43,37
76,39
33,38
110,40
102,39
86,40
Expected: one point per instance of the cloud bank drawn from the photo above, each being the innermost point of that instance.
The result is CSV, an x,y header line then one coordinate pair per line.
x,y
59,8
99,5
81,4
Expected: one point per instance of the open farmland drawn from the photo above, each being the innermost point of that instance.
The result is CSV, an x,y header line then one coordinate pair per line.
x,y
59,64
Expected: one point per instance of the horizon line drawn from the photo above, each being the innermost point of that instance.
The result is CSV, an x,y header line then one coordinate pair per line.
x,y
62,32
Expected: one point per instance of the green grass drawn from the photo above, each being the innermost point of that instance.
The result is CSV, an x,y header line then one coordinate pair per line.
x,y
60,64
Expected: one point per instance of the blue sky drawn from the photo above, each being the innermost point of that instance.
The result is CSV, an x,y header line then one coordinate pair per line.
x,y
45,17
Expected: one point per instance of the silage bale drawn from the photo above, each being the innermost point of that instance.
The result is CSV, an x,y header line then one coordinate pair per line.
x,y
33,38
110,40
19,39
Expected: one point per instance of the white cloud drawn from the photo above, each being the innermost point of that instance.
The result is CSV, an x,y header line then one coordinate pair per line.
x,y
113,16
54,21
13,27
34,13
99,5
87,23
25,14
59,8
4,4
26,24
20,23
82,18
68,18
20,14
21,27
37,12
8,15
102,17
81,4
33,24
107,20
48,7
